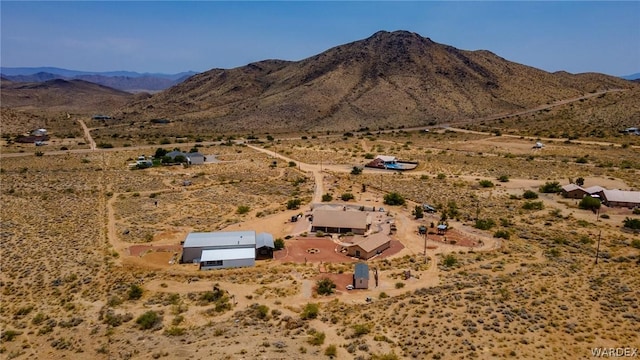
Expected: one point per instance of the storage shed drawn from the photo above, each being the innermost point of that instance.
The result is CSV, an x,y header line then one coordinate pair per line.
x,y
361,276
224,249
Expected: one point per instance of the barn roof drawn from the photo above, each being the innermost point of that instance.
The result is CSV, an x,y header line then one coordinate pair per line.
x,y
264,240
594,189
221,239
227,254
622,196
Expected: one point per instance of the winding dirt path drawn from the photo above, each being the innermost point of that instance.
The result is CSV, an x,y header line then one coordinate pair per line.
x,y
87,135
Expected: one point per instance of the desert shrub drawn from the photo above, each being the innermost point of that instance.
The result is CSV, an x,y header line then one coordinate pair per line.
x,y
174,331
388,356
551,187
394,199
635,243
243,209
292,164
331,351
293,204
589,203
347,196
361,329
580,181
503,178
450,260
326,286
9,335
104,145
636,211
317,338
484,224
369,156
530,195
278,244
486,183
135,292
356,170
605,216
383,295
148,320
630,223
399,285
262,311
327,197
310,311
441,176
502,234
533,205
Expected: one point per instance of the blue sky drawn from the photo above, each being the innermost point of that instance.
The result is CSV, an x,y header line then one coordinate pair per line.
x,y
171,37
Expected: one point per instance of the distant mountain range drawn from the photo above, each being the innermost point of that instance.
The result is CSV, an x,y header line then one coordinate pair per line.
x,y
635,76
122,80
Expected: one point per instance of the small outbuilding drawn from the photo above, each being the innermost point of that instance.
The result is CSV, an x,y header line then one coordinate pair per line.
x,y
369,247
361,276
573,191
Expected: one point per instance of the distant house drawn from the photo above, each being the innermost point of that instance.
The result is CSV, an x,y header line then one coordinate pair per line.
x,y
369,247
224,249
39,132
620,198
573,191
330,220
361,276
195,158
101,117
442,229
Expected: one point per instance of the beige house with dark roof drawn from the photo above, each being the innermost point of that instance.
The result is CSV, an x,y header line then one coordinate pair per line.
x,y
340,221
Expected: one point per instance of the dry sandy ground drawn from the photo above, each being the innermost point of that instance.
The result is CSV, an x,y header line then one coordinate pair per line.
x,y
79,230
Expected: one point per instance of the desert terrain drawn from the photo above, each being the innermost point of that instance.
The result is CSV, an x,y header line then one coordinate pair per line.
x,y
90,247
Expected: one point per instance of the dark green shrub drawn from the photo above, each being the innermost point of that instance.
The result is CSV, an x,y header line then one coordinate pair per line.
x,y
630,223
589,203
310,311
502,234
278,244
327,197
533,205
325,286
530,195
486,183
484,224
317,338
347,196
394,199
551,187
148,320
135,292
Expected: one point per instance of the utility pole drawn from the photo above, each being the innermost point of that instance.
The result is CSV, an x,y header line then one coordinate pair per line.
x,y
598,248
425,246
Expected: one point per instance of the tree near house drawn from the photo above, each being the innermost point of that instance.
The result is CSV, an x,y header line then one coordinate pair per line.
x,y
394,199
589,203
418,212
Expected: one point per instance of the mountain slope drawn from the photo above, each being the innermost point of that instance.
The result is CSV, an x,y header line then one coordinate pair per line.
x,y
388,79
63,95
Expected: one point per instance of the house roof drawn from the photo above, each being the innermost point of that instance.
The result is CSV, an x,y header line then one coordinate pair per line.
x,y
227,254
594,189
174,153
387,158
622,196
442,227
361,271
221,239
372,242
346,219
571,187
195,154
264,240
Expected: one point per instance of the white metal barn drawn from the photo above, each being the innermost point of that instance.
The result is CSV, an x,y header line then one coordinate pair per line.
x,y
219,250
